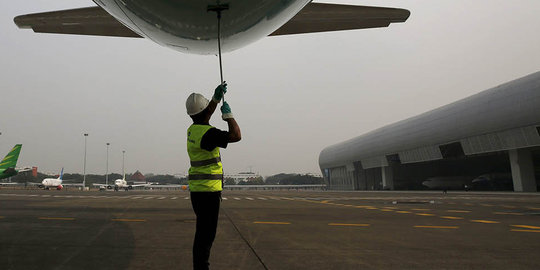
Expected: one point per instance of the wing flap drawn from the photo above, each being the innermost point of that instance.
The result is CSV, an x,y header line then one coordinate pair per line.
x,y
320,17
81,21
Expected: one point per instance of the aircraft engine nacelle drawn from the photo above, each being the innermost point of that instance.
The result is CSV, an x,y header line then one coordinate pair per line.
x,y
130,187
109,187
41,186
59,187
187,26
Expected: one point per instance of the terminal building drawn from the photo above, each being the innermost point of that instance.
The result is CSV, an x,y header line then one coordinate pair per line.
x,y
488,141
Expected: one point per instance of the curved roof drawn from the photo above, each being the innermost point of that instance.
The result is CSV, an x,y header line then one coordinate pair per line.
x,y
510,105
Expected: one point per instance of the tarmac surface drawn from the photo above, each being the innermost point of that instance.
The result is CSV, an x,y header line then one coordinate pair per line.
x,y
271,230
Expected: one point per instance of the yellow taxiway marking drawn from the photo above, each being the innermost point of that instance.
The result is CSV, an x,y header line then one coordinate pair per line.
x,y
506,213
509,206
56,218
420,209
2,217
520,230
449,217
348,205
534,208
487,205
387,210
527,227
324,201
424,214
437,227
371,208
349,224
484,221
403,212
128,220
390,207
364,206
458,211
272,222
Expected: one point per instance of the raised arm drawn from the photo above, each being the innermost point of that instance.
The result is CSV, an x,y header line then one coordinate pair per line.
x,y
235,134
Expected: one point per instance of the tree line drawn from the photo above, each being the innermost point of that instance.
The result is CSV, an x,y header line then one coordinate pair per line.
x,y
278,179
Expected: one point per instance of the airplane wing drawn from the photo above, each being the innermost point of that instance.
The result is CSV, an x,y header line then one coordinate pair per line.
x,y
10,183
314,17
140,185
72,184
33,184
319,17
82,21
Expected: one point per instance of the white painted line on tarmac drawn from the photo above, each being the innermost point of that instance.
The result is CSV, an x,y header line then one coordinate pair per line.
x,y
248,198
174,198
261,198
161,198
236,198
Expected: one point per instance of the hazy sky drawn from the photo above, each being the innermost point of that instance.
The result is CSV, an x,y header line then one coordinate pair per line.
x,y
291,95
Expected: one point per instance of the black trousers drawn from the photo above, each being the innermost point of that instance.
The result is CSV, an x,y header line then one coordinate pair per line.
x,y
206,208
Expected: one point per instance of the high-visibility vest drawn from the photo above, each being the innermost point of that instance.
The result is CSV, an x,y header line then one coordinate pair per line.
x,y
206,171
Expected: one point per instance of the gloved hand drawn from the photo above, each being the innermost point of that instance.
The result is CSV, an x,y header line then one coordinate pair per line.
x,y
226,112
219,92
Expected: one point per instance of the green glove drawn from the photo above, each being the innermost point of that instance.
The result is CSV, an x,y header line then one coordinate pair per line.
x,y
219,92
226,112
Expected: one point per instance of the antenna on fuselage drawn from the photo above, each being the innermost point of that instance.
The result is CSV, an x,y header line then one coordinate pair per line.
x,y
218,8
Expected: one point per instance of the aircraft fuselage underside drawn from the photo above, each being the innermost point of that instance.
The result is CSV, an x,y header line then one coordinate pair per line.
x,y
188,26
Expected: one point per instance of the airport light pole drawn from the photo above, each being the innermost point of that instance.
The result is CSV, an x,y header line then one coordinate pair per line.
x,y
123,171
84,167
107,167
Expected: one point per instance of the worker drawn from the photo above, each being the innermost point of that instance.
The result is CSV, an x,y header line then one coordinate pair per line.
x,y
206,172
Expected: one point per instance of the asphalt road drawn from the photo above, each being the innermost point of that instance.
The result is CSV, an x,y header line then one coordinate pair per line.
x,y
271,230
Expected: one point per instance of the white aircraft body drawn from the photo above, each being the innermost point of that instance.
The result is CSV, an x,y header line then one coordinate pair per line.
x,y
191,26
57,183
121,184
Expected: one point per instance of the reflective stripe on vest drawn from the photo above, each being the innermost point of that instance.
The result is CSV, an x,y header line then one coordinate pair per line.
x,y
206,171
205,176
205,162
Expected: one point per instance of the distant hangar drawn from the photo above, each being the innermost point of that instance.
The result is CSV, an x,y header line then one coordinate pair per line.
x,y
495,132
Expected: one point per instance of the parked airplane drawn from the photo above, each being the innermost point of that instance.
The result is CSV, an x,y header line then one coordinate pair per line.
x,y
121,184
9,163
493,181
448,182
57,183
191,26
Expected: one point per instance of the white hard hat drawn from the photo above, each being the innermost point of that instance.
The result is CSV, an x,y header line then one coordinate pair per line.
x,y
196,103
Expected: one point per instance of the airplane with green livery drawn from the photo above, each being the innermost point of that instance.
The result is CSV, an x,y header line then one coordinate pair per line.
x,y
9,163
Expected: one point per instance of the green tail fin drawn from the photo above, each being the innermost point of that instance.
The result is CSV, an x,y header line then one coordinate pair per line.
x,y
10,161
